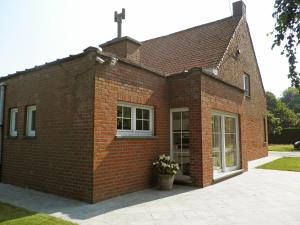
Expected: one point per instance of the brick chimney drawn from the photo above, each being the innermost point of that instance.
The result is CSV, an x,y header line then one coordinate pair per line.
x,y
124,47
239,8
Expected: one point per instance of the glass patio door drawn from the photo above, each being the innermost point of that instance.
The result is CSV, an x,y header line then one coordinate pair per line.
x,y
180,151
225,142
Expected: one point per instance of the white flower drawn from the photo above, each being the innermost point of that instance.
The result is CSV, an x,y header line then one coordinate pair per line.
x,y
162,156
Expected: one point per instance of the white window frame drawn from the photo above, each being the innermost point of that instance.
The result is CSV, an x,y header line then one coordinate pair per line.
x,y
12,123
247,78
29,131
134,131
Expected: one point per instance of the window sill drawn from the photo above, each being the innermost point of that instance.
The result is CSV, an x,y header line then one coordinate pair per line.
x,y
135,137
29,137
11,137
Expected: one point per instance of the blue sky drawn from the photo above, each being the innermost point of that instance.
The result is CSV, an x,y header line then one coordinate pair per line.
x,y
37,31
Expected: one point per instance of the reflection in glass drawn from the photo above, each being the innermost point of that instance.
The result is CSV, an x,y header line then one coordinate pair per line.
x,y
216,142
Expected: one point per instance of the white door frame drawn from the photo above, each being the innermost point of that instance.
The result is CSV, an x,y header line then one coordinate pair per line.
x,y
222,114
184,109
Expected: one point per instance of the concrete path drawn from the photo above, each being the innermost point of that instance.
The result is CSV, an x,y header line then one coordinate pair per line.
x,y
257,197
288,154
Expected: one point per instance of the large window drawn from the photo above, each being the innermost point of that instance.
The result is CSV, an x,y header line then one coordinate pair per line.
x,y
134,120
31,121
247,85
13,132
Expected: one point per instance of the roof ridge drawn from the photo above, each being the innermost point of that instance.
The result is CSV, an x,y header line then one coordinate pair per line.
x,y
191,28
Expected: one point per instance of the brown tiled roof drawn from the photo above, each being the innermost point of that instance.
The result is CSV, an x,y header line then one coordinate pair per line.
x,y
201,46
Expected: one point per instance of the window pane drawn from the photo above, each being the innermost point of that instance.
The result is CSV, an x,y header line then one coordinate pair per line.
x,y
229,125
139,113
119,123
146,125
176,123
15,121
126,124
146,114
185,121
33,120
216,124
119,113
247,85
230,149
126,112
139,124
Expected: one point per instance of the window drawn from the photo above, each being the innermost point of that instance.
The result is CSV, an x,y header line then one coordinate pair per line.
x,y
124,118
247,85
31,121
13,122
265,129
134,120
143,119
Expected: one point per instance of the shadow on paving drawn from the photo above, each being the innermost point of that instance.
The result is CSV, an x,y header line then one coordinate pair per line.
x,y
48,203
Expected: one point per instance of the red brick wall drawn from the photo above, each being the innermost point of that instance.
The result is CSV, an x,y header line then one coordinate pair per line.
x,y
254,108
218,96
59,159
185,91
124,165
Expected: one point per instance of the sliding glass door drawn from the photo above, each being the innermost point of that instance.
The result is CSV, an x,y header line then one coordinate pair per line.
x,y
225,142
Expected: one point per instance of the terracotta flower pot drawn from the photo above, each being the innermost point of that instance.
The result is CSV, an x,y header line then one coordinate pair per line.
x,y
165,182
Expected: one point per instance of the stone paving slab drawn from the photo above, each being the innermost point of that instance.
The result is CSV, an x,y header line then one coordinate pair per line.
x,y
257,197
287,154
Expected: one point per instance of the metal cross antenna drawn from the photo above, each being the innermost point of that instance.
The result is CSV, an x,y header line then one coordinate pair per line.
x,y
118,18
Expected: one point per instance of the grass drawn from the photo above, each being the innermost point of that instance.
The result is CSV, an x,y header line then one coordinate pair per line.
x,y
281,148
285,163
12,215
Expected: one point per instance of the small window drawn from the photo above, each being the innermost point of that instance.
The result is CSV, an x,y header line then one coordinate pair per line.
x,y
31,121
247,85
134,120
13,122
265,129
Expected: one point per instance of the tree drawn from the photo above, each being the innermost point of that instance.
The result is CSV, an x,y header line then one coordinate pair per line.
x,y
288,117
271,101
279,115
287,32
274,126
291,98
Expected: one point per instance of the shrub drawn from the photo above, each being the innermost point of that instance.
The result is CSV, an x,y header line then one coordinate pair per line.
x,y
164,165
287,136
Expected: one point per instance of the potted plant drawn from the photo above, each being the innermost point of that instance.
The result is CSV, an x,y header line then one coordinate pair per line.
x,y
166,169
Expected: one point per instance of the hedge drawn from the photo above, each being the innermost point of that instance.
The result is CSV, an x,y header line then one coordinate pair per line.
x,y
287,136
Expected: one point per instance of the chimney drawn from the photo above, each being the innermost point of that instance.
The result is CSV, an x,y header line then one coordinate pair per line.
x,y
239,8
124,47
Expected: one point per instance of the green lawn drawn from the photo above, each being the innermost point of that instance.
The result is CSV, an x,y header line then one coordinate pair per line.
x,y
11,215
281,148
285,163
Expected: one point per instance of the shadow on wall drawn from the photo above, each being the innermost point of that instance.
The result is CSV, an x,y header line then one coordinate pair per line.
x,y
48,203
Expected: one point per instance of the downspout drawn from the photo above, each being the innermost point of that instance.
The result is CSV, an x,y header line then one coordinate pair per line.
x,y
2,107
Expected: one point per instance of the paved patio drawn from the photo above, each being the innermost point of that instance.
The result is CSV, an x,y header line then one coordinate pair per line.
x,y
256,197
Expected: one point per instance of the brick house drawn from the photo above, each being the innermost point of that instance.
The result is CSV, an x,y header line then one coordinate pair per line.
x,y
88,126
